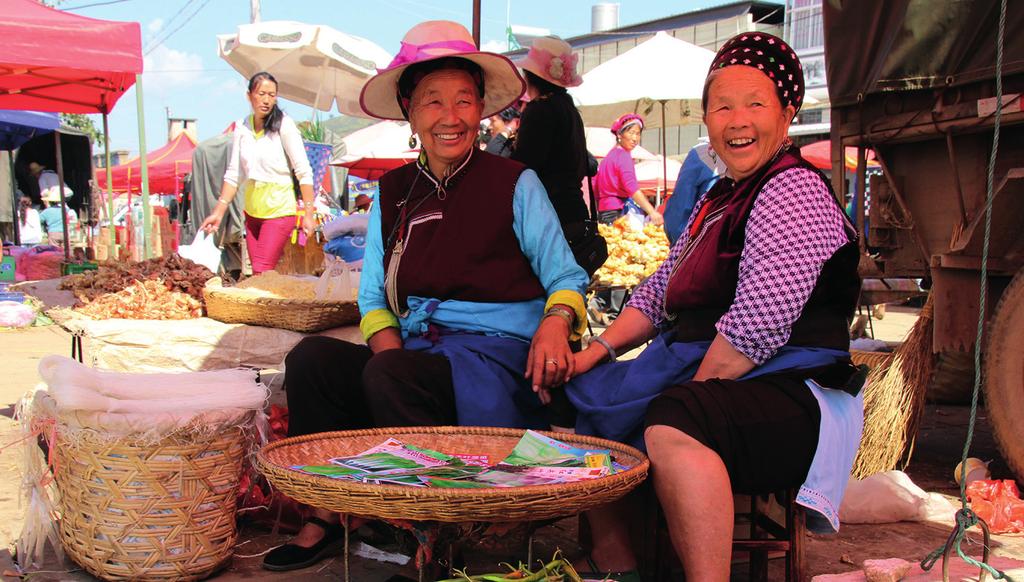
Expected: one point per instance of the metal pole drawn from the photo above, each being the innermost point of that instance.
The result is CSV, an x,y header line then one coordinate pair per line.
x,y
254,11
476,23
664,156
147,214
112,252
17,200
63,202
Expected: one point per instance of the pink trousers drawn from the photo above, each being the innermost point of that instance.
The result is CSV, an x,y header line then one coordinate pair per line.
x,y
265,239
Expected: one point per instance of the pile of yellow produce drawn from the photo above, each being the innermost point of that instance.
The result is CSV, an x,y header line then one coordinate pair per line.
x,y
632,255
275,285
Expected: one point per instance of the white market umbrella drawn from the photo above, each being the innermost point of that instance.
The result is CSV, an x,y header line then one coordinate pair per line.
x,y
314,65
661,79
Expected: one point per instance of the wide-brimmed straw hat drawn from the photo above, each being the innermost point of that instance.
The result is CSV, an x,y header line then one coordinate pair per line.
x,y
552,59
433,40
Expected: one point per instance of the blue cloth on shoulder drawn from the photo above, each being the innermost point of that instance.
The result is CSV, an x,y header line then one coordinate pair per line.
x,y
487,373
612,399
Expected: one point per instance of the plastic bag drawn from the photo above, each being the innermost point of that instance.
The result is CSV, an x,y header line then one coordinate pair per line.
x,y
203,251
636,218
999,504
15,314
890,497
339,282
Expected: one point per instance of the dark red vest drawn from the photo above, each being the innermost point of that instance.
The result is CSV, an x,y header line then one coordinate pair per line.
x,y
458,241
703,283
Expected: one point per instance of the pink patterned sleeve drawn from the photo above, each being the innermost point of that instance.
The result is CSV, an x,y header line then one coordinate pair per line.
x,y
793,229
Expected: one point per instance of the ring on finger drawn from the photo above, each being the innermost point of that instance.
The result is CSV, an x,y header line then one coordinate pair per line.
x,y
550,361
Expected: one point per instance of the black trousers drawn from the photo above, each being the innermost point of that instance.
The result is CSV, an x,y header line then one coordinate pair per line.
x,y
336,385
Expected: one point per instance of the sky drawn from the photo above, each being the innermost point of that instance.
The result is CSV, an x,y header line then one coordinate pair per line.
x,y
185,77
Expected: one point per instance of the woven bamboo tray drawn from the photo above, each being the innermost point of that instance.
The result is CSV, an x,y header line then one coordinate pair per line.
x,y
162,511
501,504
302,315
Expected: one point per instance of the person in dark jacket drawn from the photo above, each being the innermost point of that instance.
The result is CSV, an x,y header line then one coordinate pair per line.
x,y
503,132
551,140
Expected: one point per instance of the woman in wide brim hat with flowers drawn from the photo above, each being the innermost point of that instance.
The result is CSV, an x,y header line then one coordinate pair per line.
x,y
469,295
551,140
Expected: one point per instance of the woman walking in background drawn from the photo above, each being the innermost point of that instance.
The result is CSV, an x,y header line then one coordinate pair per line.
x,y
616,176
265,150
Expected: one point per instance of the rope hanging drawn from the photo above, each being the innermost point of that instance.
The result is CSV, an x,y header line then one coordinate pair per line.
x,y
965,517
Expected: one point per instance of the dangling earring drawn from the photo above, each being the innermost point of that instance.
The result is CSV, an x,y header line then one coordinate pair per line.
x,y
412,141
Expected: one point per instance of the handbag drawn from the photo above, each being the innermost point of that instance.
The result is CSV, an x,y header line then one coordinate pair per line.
x,y
585,241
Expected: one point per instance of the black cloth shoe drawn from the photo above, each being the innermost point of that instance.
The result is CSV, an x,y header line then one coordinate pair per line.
x,y
293,557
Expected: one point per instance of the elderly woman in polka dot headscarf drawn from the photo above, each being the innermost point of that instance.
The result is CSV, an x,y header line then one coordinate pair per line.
x,y
747,384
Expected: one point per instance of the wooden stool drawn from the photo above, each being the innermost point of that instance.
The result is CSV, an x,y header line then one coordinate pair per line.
x,y
768,535
657,558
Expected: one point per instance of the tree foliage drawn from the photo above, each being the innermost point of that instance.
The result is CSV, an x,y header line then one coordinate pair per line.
x,y
85,124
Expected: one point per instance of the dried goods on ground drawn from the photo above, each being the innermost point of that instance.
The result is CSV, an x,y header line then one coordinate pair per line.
x,y
150,299
177,273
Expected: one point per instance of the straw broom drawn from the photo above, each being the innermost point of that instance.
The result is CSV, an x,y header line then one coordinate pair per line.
x,y
894,399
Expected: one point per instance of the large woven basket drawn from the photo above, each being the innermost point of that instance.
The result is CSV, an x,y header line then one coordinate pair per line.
x,y
303,315
498,504
164,511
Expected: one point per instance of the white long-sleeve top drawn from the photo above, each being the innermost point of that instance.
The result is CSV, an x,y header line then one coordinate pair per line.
x,y
263,160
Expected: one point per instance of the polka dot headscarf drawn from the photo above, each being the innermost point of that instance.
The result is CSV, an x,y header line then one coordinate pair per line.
x,y
770,55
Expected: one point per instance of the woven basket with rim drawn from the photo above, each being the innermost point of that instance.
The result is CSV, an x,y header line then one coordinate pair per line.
x,y
302,315
435,503
163,511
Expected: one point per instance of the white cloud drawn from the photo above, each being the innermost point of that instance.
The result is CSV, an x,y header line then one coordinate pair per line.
x,y
155,26
494,46
167,70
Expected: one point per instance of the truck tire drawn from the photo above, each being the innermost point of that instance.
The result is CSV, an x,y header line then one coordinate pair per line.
x,y
952,378
1004,374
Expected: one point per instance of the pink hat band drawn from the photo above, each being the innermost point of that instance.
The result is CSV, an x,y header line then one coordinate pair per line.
x,y
413,53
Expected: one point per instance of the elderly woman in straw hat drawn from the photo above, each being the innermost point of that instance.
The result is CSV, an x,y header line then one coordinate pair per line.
x,y
469,294
747,384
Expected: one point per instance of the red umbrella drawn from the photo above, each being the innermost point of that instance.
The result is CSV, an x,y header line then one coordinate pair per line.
x,y
819,154
373,168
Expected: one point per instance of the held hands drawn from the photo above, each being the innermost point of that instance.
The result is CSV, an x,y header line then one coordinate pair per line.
x,y
656,218
586,360
550,362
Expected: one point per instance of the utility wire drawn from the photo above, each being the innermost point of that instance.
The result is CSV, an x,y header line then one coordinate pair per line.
x,y
73,8
171,31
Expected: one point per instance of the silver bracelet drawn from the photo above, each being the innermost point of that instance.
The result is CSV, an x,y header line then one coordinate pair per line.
x,y
560,313
611,351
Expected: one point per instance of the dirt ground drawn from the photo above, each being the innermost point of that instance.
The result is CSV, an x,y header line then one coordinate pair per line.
x,y
937,451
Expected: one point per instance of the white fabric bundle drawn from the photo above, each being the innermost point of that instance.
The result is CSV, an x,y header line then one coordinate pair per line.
x,y
155,404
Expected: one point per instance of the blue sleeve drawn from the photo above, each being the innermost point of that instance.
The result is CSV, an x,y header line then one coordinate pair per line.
x,y
540,238
371,282
690,184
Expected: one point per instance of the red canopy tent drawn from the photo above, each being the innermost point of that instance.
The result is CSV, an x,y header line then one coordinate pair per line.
x,y
57,61
819,154
167,166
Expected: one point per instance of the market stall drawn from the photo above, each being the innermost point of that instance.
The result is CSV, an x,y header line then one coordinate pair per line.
x,y
16,128
97,62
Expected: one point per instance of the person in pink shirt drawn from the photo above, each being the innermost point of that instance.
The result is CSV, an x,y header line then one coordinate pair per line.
x,y
616,181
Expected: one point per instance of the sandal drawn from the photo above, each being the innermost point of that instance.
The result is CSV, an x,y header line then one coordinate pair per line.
x,y
293,557
595,574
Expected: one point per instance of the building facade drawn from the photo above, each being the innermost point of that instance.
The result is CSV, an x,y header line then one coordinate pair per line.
x,y
708,28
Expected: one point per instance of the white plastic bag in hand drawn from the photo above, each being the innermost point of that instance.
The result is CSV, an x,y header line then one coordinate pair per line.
x,y
202,251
